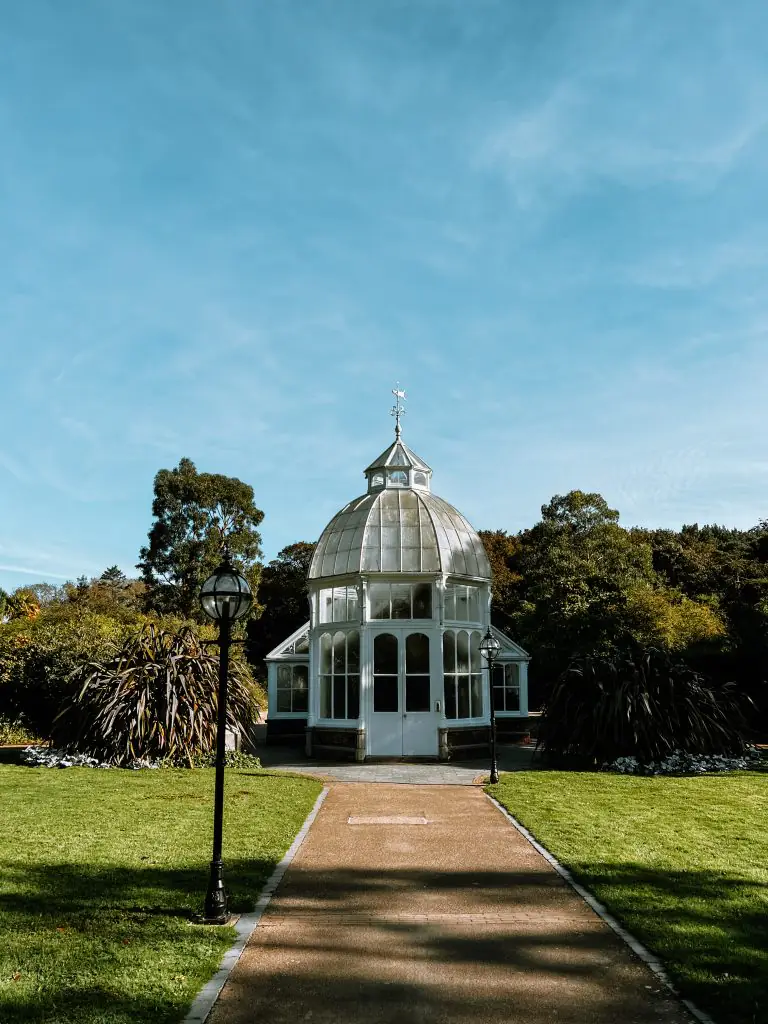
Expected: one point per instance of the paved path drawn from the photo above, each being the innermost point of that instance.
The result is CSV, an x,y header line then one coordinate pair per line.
x,y
455,921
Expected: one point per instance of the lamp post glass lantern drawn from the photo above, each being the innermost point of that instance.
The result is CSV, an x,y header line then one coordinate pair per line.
x,y
225,597
490,648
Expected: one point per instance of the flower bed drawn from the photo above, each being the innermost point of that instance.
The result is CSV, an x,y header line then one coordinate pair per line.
x,y
681,763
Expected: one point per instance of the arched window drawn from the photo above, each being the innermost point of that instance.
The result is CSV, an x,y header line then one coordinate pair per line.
x,y
386,696
419,479
340,675
462,674
417,672
377,480
398,477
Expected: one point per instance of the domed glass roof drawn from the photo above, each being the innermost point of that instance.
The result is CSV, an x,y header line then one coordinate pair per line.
x,y
399,529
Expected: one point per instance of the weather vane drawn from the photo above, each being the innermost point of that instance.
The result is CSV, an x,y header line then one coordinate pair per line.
x,y
397,408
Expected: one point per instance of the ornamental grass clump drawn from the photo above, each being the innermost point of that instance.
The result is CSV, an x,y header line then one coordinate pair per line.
x,y
643,705
155,699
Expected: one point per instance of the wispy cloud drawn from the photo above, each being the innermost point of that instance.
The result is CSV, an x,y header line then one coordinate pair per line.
x,y
28,571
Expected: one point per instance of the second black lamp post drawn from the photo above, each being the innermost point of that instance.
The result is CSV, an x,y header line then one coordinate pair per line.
x,y
490,647
225,597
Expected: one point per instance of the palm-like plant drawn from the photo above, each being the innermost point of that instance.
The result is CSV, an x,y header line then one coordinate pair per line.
x,y
643,705
157,697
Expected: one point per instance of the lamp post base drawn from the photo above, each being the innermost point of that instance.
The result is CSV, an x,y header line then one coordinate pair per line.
x,y
216,911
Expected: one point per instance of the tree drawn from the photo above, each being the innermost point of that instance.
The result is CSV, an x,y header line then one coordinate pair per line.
x,y
193,514
113,577
283,593
578,567
21,604
502,550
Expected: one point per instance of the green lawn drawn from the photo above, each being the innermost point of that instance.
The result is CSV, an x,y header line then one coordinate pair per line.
x,y
682,862
101,872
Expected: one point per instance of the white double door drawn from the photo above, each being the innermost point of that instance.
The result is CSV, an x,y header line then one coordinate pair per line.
x,y
402,710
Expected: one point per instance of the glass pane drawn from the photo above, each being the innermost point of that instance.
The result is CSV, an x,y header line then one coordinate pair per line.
x,y
283,700
325,697
325,653
385,655
377,480
449,651
339,604
378,596
339,696
353,696
473,609
353,651
419,480
300,700
475,657
417,693
300,677
462,606
450,604
339,654
284,675
422,601
325,601
401,601
352,604
477,695
412,562
462,651
385,693
302,645
463,696
449,696
498,699
512,690
399,477
417,653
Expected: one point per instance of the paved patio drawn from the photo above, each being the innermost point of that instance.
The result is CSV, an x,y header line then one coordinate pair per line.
x,y
462,773
423,905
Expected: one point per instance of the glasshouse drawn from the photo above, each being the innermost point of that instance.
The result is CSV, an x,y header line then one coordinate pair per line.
x,y
389,663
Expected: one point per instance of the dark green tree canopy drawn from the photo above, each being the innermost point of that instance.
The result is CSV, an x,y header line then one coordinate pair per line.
x,y
193,514
283,592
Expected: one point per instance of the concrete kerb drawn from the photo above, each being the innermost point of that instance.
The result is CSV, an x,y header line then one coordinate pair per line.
x,y
637,947
246,925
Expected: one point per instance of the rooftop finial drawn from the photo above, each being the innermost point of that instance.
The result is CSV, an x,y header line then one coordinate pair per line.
x,y
397,408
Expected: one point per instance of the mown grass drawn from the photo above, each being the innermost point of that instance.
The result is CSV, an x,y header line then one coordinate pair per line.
x,y
682,862
101,873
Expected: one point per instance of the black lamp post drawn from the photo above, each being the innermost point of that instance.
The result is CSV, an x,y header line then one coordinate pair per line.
x,y
225,597
490,647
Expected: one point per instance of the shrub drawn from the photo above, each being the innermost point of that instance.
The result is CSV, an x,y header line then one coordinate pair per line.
x,y
37,658
156,697
13,732
642,705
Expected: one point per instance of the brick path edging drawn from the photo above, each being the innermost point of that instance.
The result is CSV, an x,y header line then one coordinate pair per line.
x,y
247,924
602,912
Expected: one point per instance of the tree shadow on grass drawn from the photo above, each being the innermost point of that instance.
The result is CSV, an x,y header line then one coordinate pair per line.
x,y
710,928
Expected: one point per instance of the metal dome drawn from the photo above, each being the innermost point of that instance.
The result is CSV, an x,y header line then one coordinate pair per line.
x,y
399,530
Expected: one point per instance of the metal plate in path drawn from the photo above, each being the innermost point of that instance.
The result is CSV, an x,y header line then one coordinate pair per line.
x,y
385,819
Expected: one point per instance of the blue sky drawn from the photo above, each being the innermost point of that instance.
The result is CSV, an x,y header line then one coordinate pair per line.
x,y
228,228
